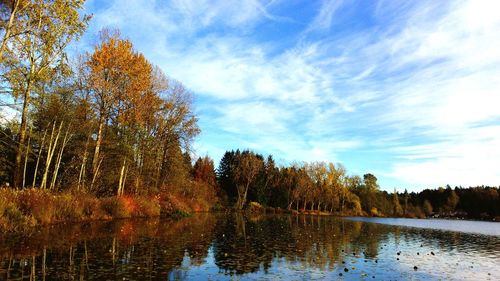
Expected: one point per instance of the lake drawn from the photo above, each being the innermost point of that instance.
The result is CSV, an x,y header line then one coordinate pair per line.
x,y
262,247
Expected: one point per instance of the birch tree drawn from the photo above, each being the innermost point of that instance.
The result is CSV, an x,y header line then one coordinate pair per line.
x,y
10,11
37,53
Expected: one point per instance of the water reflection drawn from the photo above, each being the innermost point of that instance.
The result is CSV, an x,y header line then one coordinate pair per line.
x,y
222,247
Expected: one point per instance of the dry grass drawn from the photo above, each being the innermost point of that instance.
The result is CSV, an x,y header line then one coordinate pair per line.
x,y
20,209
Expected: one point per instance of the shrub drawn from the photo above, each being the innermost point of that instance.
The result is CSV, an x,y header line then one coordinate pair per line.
x,y
170,203
178,214
116,207
91,208
374,212
67,208
3,204
147,207
37,203
254,206
11,217
15,219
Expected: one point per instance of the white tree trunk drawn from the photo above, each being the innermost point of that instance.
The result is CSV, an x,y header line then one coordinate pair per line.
x,y
82,174
26,156
38,158
50,153
66,139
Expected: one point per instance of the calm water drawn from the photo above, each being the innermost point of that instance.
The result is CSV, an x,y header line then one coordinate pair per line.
x,y
479,227
235,247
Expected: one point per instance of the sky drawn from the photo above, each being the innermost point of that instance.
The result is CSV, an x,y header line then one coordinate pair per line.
x,y
406,90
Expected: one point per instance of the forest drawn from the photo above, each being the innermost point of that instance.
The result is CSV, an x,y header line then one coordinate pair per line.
x,y
107,133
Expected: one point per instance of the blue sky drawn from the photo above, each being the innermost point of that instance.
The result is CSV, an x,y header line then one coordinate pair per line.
x,y
406,90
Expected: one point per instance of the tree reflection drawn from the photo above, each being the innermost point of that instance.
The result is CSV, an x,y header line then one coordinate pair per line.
x,y
248,244
236,243
136,249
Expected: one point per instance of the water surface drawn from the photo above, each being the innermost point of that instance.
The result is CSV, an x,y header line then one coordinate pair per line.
x,y
468,226
236,247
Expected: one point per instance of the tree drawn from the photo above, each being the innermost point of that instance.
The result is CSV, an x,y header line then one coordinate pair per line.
x,y
204,171
7,152
176,124
176,172
317,172
370,182
367,192
305,184
204,175
405,206
427,208
397,210
289,181
225,174
452,201
109,68
245,169
267,179
36,54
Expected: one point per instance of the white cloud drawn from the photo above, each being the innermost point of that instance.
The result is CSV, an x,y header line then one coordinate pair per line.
x,y
325,16
421,86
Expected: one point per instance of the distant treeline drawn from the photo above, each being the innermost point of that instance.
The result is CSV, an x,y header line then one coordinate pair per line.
x,y
318,186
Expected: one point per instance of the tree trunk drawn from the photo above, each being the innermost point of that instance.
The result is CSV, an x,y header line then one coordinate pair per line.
x,y
82,175
245,196
50,154
159,159
95,160
22,135
58,160
38,158
122,172
94,176
124,179
26,156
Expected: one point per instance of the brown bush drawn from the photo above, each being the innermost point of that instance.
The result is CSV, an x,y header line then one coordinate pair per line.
x,y
116,207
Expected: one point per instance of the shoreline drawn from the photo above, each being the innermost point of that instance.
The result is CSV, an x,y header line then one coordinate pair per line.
x,y
21,210
179,215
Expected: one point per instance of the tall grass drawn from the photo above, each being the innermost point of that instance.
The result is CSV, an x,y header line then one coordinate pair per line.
x,y
29,207
21,209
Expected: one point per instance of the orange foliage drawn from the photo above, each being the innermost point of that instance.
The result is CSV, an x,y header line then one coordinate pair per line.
x,y
123,77
129,204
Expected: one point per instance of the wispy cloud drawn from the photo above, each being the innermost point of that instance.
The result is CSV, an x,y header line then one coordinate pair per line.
x,y
325,15
411,93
